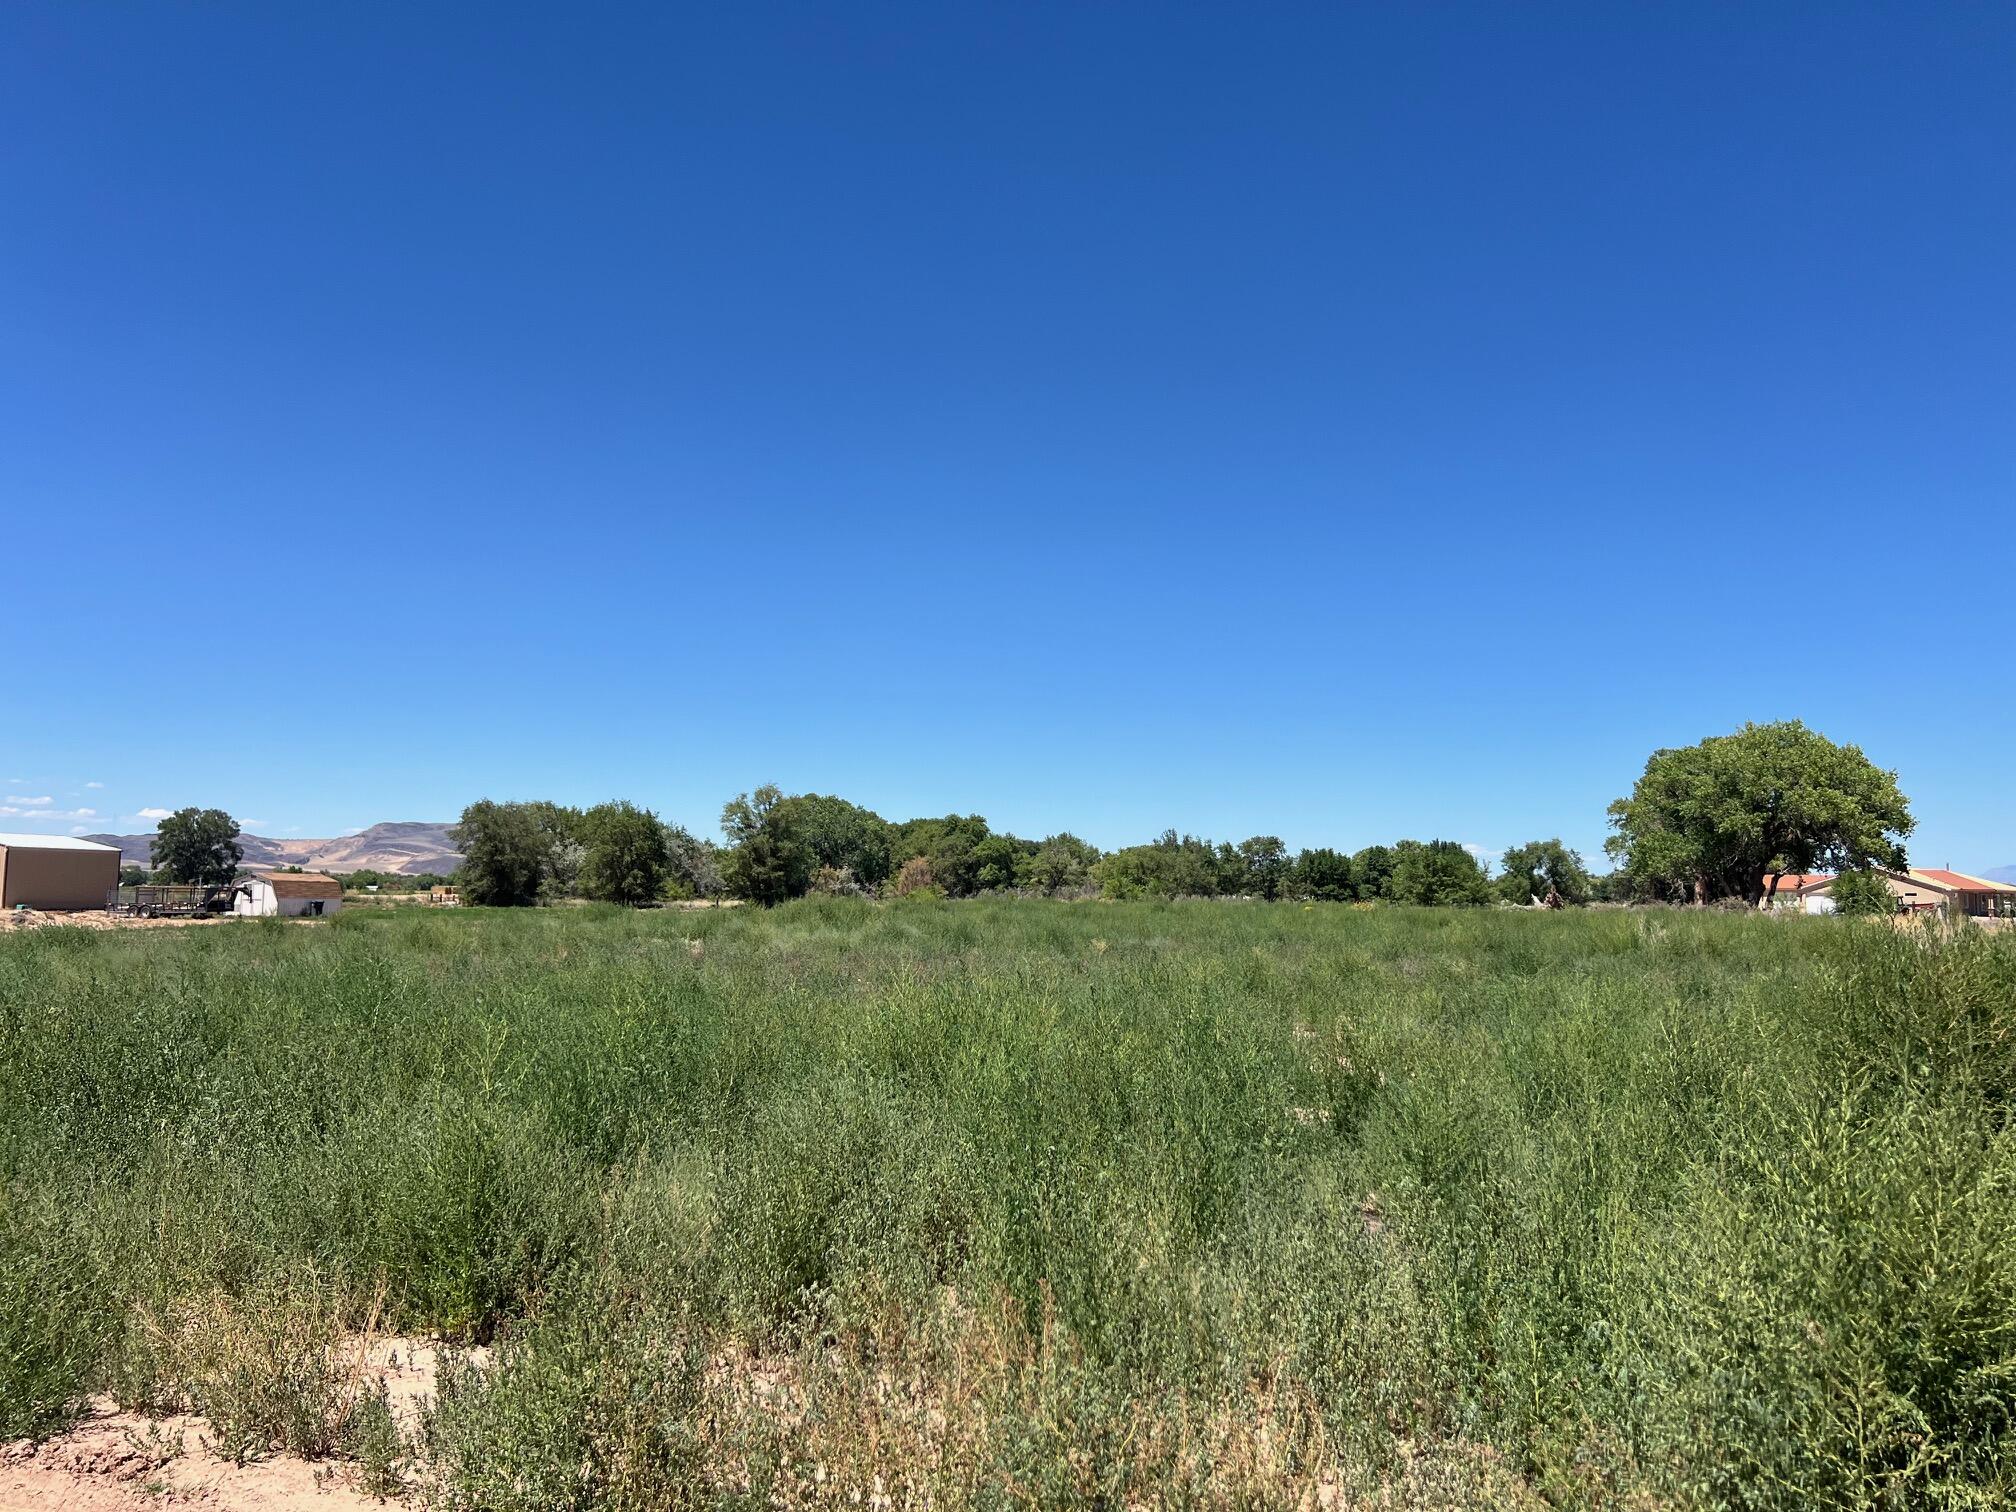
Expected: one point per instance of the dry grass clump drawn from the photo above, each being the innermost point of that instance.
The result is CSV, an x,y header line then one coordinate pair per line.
x,y
966,1407
274,1368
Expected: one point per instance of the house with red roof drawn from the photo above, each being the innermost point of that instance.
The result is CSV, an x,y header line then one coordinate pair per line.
x,y
1786,894
1923,889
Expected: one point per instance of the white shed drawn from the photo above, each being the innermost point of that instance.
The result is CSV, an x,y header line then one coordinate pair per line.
x,y
290,895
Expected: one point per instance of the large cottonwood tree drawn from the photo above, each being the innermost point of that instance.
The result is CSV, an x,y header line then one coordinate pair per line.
x,y
198,846
625,855
515,853
1728,817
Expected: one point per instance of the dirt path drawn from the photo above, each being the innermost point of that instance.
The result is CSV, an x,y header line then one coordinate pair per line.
x,y
35,918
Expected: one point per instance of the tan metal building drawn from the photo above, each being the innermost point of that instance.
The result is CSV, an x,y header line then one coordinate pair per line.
x,y
56,872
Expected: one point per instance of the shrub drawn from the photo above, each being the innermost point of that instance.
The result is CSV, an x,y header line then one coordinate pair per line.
x,y
262,1367
595,1405
836,882
1862,894
915,876
52,1327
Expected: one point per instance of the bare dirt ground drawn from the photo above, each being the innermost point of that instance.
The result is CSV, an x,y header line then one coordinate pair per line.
x,y
35,918
117,1461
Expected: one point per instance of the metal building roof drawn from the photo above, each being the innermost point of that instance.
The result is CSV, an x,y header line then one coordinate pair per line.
x,y
53,842
302,884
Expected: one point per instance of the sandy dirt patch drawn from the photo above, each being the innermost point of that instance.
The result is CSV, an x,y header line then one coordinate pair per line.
x,y
116,1461
35,918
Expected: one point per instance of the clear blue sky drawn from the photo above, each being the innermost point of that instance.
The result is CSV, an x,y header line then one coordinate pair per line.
x,y
1344,422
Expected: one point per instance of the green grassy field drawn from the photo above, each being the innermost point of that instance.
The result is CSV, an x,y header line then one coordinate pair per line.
x,y
1021,1203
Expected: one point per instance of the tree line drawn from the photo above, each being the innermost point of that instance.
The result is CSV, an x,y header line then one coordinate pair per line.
x,y
778,846
518,854
1726,819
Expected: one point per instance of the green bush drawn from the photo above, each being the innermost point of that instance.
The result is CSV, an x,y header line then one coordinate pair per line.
x,y
52,1320
1862,894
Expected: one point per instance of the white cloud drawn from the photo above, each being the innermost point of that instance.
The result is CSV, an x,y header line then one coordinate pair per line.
x,y
260,823
1483,853
42,811
94,784
43,802
153,813
77,829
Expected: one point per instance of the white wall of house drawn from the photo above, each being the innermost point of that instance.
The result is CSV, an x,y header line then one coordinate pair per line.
x,y
1818,903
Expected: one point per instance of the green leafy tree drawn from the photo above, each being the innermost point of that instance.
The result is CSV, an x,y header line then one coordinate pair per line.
x,y
998,860
1372,870
694,864
1228,871
766,862
838,834
624,855
1862,894
198,847
1440,874
1543,869
1061,863
514,853
1324,876
1262,867
1728,817
948,844
563,848
1612,887
132,876
1171,867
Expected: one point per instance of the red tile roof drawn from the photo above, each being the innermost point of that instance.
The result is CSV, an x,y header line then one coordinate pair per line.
x,y
1958,881
1791,882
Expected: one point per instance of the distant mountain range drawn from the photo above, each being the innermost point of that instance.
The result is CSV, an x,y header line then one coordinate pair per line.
x,y
404,849
2002,874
